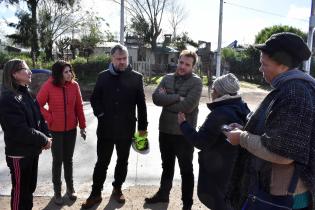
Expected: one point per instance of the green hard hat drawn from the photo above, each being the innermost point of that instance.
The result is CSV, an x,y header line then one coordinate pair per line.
x,y
140,143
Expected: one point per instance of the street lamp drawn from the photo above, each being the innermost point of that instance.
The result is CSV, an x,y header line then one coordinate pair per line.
x,y
218,63
122,23
310,36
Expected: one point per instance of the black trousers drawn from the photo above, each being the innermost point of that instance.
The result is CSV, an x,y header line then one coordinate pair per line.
x,y
215,169
105,149
24,179
62,152
172,147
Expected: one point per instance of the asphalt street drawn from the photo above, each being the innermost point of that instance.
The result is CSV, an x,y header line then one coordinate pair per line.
x,y
142,169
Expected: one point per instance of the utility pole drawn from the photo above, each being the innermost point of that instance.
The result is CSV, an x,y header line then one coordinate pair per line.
x,y
310,36
218,66
122,23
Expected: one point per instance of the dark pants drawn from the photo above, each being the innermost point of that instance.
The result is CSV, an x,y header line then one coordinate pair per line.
x,y
62,152
105,149
215,169
212,195
172,146
24,179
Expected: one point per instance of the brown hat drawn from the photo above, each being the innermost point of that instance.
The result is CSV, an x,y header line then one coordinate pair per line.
x,y
286,48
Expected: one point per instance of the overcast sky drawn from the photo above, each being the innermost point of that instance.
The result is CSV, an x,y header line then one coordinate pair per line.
x,y
242,19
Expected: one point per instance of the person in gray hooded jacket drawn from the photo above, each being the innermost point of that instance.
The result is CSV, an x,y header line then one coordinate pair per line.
x,y
177,92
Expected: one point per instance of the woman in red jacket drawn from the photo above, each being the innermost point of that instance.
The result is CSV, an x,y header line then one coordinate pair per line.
x,y
65,109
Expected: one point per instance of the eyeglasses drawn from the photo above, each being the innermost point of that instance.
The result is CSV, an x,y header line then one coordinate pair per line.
x,y
26,69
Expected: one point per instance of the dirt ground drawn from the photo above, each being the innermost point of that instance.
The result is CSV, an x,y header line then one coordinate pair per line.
x,y
134,201
135,195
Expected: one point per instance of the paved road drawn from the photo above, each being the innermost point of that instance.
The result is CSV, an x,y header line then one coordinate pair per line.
x,y
142,170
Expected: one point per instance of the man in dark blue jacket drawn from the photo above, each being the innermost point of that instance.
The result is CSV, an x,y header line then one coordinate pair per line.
x,y
117,93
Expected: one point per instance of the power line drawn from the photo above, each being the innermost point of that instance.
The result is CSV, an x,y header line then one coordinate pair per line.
x,y
262,11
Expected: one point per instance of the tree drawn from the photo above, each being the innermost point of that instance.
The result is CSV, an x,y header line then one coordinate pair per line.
x,y
23,35
92,34
150,14
177,16
32,6
180,42
265,33
56,20
140,28
62,45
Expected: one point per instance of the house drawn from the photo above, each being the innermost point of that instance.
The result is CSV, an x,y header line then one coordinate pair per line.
x,y
143,58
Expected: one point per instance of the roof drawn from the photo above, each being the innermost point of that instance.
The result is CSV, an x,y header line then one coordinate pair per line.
x,y
165,49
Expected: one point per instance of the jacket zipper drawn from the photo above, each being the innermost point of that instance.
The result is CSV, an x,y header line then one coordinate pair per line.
x,y
64,104
253,197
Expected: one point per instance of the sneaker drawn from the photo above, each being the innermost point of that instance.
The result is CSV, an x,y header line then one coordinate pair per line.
x,y
58,199
91,201
157,198
118,195
71,194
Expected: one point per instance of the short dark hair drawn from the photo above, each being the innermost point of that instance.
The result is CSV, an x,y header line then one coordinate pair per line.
x,y
57,71
191,54
120,48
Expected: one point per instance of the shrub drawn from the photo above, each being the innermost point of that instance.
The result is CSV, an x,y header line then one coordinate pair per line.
x,y
87,71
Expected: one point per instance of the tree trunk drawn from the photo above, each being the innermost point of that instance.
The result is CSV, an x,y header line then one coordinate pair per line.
x,y
48,51
32,4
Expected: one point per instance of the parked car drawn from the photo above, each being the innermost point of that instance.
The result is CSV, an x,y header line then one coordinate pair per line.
x,y
39,76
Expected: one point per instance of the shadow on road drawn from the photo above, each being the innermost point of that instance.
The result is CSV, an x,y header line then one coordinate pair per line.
x,y
112,204
52,206
158,206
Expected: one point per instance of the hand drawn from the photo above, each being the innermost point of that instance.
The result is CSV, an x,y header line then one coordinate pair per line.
x,y
233,136
48,144
236,125
181,117
142,133
181,98
83,133
162,90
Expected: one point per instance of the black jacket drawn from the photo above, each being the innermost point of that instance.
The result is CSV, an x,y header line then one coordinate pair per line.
x,y
114,102
25,131
217,156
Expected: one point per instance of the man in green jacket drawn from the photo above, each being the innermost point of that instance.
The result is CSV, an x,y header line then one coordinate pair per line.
x,y
177,92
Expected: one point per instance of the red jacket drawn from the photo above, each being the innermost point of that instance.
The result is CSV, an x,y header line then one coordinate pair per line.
x,y
65,106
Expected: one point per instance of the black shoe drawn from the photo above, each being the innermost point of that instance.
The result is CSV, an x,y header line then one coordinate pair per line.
x,y
58,199
157,198
71,194
118,195
91,201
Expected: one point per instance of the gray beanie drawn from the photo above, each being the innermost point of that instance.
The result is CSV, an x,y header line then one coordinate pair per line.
x,y
226,84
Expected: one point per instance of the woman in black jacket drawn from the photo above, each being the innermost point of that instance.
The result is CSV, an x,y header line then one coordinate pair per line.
x,y
216,156
25,132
